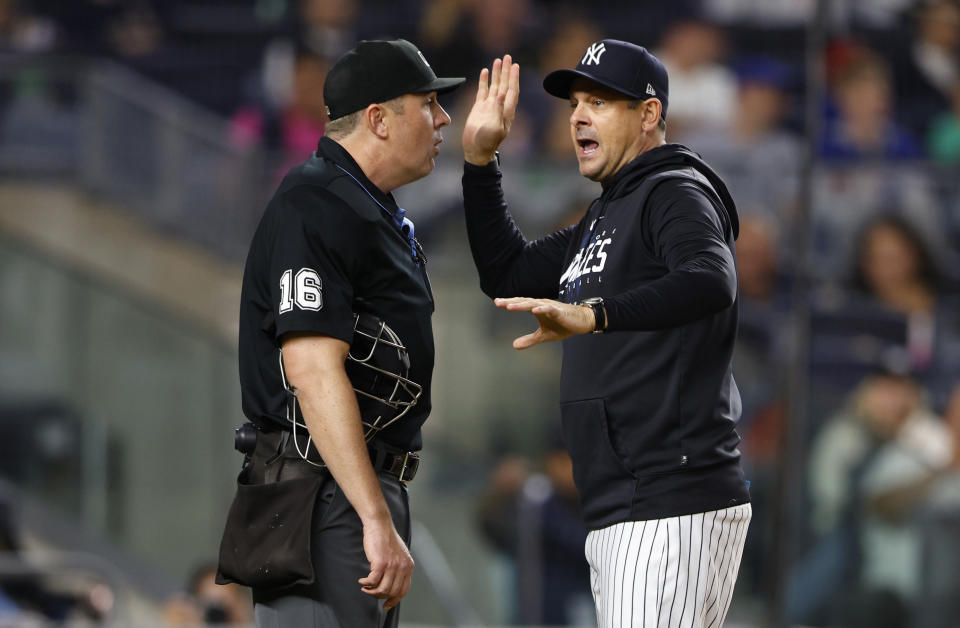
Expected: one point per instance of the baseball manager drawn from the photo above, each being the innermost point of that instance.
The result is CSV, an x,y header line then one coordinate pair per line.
x,y
643,294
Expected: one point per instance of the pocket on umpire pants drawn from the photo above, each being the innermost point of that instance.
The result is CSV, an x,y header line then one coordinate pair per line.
x,y
605,484
266,540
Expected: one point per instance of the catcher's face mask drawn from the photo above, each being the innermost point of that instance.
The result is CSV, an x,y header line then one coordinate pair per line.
x,y
378,366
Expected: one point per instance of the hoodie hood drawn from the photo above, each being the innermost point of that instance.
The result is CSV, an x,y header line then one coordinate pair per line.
x,y
669,157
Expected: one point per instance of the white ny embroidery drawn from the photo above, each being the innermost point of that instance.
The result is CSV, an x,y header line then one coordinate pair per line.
x,y
592,56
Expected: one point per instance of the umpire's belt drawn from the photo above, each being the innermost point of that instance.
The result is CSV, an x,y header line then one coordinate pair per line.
x,y
401,464
404,464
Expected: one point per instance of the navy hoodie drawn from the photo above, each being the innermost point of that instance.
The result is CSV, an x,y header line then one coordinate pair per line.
x,y
649,409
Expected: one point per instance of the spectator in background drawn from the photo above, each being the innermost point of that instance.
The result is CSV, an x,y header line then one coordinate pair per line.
x,y
758,158
32,98
289,133
762,13
128,30
206,602
535,520
951,417
872,14
39,596
764,300
895,267
860,124
759,361
759,275
929,67
702,90
938,605
848,196
943,141
497,507
864,164
21,32
896,270
473,32
136,32
325,28
572,34
864,566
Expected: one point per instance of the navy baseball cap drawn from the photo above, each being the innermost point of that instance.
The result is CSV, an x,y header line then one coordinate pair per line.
x,y
378,71
624,67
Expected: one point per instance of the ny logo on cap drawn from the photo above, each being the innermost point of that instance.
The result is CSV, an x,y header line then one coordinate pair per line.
x,y
424,59
592,56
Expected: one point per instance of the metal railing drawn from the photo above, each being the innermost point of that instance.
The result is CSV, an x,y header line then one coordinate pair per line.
x,y
131,140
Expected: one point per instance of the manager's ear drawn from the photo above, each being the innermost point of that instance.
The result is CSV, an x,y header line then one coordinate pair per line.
x,y
651,109
374,117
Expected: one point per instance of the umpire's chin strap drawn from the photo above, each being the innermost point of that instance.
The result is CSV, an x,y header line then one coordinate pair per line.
x,y
292,418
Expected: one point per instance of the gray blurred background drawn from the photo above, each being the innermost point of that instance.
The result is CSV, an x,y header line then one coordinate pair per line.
x,y
141,139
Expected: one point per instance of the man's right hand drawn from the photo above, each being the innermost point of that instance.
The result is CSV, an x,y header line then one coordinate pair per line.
x,y
493,112
391,565
314,365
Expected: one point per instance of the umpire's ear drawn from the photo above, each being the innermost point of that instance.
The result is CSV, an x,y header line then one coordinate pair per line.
x,y
374,117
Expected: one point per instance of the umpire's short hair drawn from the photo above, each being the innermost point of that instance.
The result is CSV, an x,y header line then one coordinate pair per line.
x,y
345,125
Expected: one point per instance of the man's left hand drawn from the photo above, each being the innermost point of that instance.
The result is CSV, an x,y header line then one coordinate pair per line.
x,y
557,320
493,111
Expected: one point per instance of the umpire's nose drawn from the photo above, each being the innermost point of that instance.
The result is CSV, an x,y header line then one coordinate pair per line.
x,y
440,116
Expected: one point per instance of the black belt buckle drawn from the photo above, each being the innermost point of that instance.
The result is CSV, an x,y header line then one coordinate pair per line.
x,y
405,466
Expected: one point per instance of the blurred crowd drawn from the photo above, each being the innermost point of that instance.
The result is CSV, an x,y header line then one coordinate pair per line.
x,y
882,431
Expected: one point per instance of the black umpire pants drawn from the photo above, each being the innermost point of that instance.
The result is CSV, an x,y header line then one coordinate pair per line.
x,y
335,599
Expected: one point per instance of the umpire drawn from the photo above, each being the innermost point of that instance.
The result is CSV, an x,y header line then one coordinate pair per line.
x,y
649,405
320,525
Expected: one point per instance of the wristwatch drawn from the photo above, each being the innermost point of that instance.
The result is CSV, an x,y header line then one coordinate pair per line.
x,y
599,313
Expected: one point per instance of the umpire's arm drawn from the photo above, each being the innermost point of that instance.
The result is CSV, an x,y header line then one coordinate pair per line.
x,y
314,365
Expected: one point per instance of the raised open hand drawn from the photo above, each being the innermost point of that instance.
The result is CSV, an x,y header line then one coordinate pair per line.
x,y
493,112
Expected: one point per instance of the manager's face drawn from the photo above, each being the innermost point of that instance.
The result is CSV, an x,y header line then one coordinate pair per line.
x,y
606,127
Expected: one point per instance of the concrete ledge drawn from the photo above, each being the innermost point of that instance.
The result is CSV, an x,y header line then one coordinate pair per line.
x,y
102,241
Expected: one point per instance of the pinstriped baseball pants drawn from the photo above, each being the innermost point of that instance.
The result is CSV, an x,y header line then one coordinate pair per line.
x,y
677,572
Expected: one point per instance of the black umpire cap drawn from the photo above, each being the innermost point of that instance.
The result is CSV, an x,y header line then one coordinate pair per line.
x,y
624,67
378,71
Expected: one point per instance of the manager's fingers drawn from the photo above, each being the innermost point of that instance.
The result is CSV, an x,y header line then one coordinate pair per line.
x,y
513,91
495,75
483,85
516,303
529,340
503,80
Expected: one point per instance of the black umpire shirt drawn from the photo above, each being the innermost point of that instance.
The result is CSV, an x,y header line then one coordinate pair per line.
x,y
330,244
